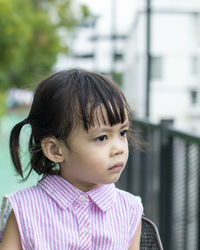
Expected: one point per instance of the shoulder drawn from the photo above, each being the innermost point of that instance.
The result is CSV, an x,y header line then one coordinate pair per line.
x,y
21,203
134,210
25,199
130,206
129,199
22,195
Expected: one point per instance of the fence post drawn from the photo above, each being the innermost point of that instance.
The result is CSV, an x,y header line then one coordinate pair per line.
x,y
165,183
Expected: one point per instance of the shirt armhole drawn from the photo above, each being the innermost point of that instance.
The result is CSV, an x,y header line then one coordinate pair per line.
x,y
135,218
14,205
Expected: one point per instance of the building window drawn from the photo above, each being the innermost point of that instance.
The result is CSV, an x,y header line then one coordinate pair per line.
x,y
195,64
83,56
118,56
194,96
156,67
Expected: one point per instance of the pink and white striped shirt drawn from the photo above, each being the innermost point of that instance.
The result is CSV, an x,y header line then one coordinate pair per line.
x,y
56,215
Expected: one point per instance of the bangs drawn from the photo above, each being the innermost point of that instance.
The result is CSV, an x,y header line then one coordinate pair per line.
x,y
101,100
108,113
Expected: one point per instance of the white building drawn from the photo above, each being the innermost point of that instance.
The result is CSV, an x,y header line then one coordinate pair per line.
x,y
175,63
114,40
98,44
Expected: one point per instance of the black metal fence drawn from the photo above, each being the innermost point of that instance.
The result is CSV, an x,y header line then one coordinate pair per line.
x,y
167,177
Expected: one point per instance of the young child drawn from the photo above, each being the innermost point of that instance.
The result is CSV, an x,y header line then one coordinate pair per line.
x,y
79,144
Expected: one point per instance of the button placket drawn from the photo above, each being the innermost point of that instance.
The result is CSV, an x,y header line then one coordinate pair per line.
x,y
83,216
86,229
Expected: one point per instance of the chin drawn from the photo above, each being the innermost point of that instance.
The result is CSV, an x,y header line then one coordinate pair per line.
x,y
114,180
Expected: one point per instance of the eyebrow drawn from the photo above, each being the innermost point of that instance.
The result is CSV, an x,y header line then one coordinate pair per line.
x,y
108,128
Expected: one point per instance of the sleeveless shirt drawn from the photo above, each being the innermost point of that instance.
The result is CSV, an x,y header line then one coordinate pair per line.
x,y
54,214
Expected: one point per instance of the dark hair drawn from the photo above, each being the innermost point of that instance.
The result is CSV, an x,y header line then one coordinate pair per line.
x,y
59,103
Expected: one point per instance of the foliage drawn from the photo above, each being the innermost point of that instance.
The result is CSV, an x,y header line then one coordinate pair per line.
x,y
117,77
30,40
2,103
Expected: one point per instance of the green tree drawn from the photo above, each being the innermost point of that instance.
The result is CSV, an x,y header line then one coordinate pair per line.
x,y
30,40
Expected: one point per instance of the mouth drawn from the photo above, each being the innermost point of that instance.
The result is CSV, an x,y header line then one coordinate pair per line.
x,y
117,167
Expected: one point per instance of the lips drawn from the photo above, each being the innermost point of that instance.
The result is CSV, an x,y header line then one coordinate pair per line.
x,y
117,167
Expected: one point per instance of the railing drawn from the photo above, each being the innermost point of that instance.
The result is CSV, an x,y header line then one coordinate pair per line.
x,y
167,177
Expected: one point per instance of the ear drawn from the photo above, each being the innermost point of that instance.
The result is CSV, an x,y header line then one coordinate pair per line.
x,y
52,149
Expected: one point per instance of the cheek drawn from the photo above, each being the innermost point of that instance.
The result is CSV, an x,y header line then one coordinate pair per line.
x,y
127,151
95,158
87,156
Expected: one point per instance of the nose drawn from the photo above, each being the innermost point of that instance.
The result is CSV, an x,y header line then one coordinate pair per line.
x,y
118,147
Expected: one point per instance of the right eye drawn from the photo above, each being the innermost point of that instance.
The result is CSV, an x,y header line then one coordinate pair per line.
x,y
101,138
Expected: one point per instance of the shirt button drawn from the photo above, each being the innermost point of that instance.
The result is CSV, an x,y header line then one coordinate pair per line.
x,y
85,230
82,198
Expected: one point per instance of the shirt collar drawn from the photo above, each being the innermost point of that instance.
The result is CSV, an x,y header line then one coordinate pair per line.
x,y
103,196
64,193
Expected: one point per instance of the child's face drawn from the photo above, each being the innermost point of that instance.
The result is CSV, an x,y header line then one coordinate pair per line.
x,y
95,157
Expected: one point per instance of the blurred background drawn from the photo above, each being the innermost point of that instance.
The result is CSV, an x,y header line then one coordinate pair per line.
x,y
151,48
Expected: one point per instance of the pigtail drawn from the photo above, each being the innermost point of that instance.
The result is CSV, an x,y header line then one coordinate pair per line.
x,y
14,146
38,162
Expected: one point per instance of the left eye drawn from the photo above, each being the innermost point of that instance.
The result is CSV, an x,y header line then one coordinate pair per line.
x,y
101,138
123,133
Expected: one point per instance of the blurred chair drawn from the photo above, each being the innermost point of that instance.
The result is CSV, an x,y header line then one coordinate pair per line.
x,y
150,238
5,210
